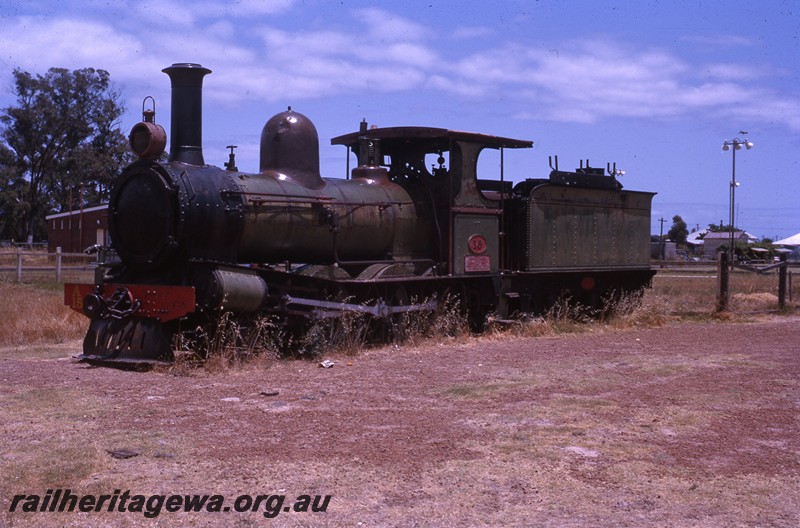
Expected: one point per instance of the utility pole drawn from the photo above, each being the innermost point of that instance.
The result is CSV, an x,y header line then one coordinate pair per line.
x,y
661,237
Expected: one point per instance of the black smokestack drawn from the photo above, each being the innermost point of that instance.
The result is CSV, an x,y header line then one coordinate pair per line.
x,y
186,124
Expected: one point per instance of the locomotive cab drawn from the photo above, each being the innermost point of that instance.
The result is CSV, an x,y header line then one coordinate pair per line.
x,y
468,212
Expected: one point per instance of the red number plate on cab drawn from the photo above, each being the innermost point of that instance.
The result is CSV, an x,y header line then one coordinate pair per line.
x,y
476,263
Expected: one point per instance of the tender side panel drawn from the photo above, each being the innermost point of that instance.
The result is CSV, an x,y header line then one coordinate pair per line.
x,y
572,227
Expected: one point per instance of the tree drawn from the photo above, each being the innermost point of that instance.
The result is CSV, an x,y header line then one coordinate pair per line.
x,y
726,228
12,189
678,232
61,147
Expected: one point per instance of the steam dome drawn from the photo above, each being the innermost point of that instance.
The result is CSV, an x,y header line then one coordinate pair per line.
x,y
290,146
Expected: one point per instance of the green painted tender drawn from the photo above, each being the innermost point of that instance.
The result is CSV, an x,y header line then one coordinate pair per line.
x,y
587,228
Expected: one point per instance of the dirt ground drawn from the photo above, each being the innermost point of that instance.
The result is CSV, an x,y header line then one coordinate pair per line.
x,y
691,424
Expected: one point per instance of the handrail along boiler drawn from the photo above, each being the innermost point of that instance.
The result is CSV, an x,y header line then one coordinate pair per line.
x,y
410,224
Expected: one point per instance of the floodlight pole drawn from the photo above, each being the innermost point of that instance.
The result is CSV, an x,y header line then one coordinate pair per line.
x,y
732,221
737,144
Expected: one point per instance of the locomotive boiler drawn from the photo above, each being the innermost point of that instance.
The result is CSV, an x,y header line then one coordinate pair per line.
x,y
410,224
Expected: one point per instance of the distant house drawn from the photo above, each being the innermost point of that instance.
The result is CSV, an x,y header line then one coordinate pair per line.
x,y
712,241
76,230
793,240
694,241
695,238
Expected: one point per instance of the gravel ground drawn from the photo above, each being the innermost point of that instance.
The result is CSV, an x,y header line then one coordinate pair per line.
x,y
692,424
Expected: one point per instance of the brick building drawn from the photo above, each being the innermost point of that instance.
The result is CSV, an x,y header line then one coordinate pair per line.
x,y
76,230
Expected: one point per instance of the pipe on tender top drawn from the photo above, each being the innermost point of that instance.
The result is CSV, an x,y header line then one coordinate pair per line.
x,y
186,123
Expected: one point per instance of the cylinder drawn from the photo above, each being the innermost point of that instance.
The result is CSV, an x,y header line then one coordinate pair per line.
x,y
234,291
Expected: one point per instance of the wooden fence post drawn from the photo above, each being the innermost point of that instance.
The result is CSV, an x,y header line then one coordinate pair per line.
x,y
723,274
19,265
58,264
782,282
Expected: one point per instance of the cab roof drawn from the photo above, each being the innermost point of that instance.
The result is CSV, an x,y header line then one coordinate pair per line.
x,y
432,138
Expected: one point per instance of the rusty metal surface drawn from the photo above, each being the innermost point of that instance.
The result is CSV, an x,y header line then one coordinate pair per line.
x,y
147,140
290,147
159,212
343,220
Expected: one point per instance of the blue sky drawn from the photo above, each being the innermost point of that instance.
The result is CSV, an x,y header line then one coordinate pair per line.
x,y
654,86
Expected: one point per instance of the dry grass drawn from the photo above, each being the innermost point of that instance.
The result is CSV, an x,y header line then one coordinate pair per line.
x,y
672,298
415,328
694,295
43,460
228,344
225,343
35,314
346,334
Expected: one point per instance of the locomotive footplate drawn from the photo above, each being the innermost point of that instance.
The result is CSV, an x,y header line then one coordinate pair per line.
x,y
157,301
127,324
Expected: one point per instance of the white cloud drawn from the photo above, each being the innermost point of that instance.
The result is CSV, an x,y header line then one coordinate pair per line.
x,y
385,26
410,54
582,81
765,107
719,41
36,44
449,85
586,82
734,72
285,46
472,32
222,29
187,13
246,8
324,63
164,13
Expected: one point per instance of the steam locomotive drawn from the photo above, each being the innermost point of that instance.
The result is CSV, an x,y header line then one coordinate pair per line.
x,y
410,224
